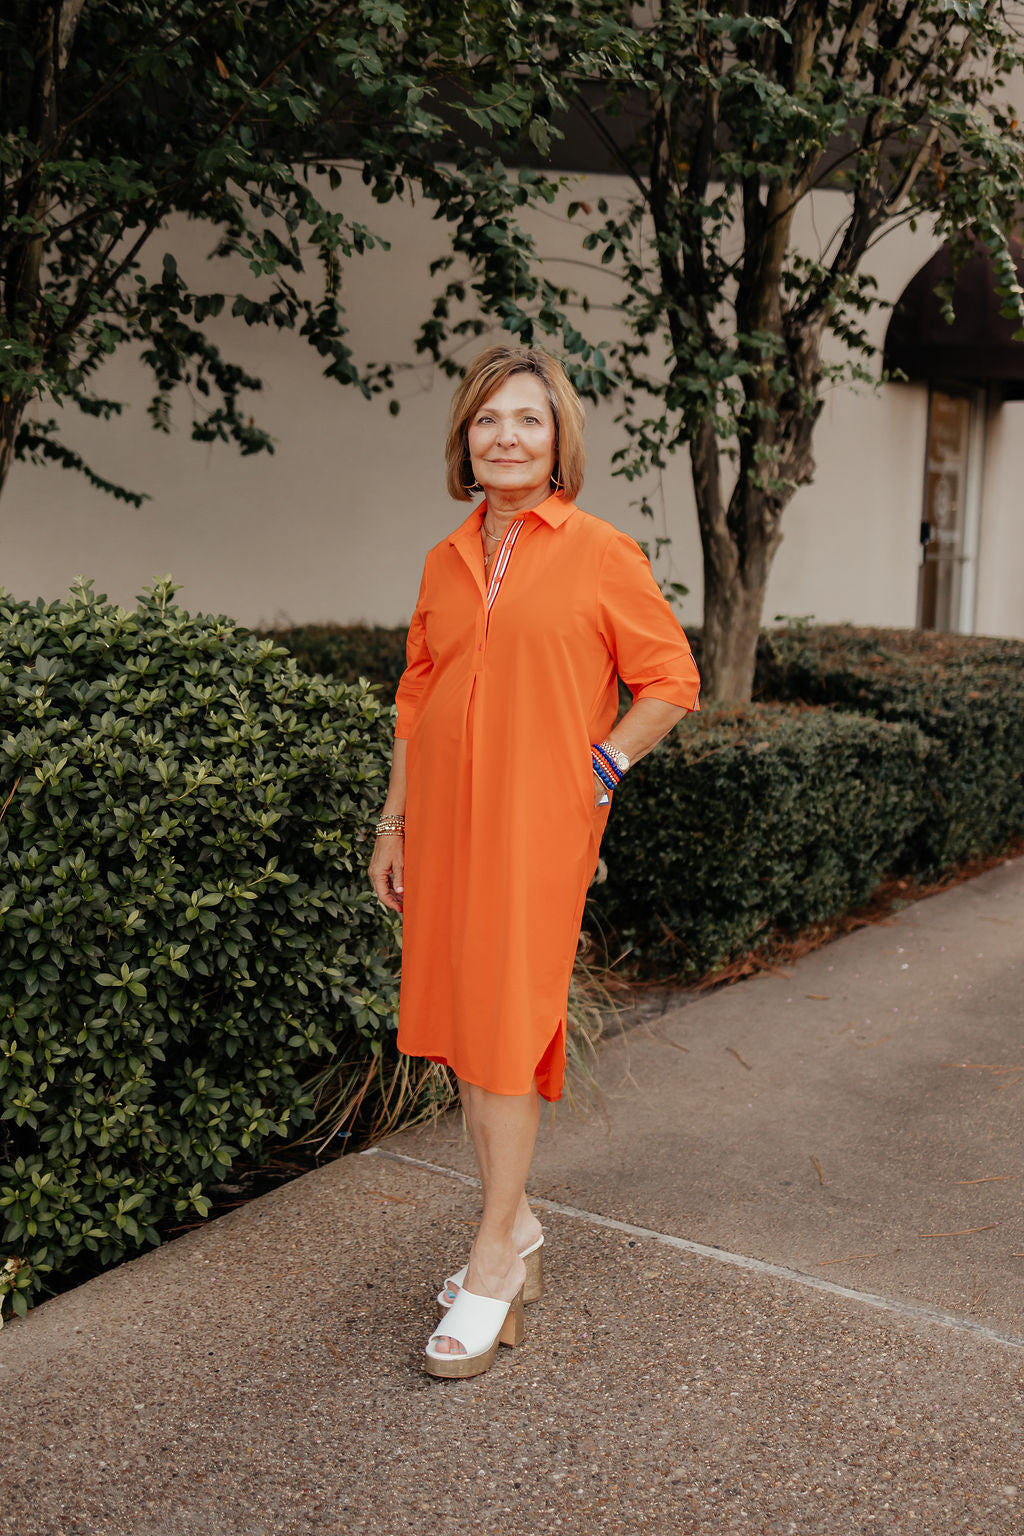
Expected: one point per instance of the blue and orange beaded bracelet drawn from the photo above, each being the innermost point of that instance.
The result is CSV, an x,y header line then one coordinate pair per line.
x,y
605,767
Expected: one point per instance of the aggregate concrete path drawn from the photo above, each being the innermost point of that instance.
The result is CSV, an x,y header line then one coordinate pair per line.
x,y
701,1362
832,1118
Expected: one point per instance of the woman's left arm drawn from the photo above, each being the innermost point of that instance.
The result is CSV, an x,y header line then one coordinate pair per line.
x,y
643,726
650,652
640,729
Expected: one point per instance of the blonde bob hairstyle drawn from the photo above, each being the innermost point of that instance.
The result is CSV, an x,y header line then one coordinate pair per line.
x,y
489,372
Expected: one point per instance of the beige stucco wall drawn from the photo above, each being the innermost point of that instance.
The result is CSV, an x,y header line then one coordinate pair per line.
x,y
334,525
1001,545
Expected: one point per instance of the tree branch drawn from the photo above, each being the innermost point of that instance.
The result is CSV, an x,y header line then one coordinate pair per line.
x,y
92,284
164,201
610,144
871,209
710,55
108,90
856,29
660,197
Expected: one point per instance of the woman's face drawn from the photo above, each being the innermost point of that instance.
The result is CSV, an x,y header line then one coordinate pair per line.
x,y
512,443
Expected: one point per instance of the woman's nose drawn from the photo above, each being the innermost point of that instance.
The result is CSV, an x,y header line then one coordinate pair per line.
x,y
506,434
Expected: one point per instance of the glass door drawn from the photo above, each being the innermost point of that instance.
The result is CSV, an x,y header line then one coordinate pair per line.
x,y
949,522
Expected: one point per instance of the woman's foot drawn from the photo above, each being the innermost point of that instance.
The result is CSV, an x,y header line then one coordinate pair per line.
x,y
494,1270
526,1234
478,1325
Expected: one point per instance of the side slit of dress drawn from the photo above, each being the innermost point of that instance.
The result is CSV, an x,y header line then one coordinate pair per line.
x,y
552,1064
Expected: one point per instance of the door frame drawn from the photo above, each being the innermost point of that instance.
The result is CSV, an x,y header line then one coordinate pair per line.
x,y
964,618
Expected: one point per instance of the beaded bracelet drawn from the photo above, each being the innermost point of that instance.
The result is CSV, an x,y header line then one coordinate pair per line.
x,y
390,826
602,755
603,772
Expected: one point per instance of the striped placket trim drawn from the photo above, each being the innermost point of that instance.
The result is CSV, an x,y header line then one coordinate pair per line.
x,y
501,563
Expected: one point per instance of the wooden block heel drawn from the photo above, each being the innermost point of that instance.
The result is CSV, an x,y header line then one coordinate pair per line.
x,y
513,1329
533,1287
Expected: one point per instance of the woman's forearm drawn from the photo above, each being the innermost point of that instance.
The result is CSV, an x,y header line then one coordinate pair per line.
x,y
387,863
394,804
643,726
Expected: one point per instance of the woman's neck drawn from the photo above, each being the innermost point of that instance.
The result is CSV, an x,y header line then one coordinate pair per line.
x,y
504,508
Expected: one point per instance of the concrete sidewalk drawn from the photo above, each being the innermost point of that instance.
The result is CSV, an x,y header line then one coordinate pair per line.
x,y
786,1271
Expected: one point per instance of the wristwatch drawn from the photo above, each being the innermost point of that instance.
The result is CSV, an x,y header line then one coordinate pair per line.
x,y
617,756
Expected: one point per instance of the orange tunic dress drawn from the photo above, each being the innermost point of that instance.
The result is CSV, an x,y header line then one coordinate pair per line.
x,y
506,686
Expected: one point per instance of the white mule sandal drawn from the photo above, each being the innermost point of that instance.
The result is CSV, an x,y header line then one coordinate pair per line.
x,y
479,1324
533,1287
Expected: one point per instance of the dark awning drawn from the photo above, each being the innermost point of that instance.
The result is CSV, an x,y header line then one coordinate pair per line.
x,y
978,348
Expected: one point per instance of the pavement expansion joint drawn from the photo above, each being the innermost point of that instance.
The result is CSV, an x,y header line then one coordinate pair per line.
x,y
910,1310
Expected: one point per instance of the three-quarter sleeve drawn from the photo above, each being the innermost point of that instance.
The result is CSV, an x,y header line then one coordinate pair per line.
x,y
646,641
418,666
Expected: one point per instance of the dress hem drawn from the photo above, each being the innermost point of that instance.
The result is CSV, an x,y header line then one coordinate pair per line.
x,y
548,1097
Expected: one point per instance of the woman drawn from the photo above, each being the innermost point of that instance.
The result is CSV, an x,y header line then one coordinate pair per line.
x,y
504,763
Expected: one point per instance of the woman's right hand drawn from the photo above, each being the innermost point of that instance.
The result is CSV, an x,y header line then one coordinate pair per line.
x,y
387,870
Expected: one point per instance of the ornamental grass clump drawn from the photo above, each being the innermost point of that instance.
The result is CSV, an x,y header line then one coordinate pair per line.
x,y
186,931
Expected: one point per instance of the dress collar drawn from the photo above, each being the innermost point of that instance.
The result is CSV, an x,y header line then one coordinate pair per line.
x,y
553,510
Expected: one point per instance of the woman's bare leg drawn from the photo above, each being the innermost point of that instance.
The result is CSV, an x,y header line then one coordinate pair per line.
x,y
526,1228
504,1129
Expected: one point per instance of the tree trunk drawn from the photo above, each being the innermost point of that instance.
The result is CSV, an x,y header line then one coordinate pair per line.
x,y
738,545
11,411
22,279
732,623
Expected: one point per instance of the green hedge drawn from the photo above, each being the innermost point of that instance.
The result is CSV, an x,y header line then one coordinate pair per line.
x,y
747,819
186,932
966,693
186,929
778,817
350,651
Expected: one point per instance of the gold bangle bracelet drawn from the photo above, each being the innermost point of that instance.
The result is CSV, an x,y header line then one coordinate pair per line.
x,y
390,826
